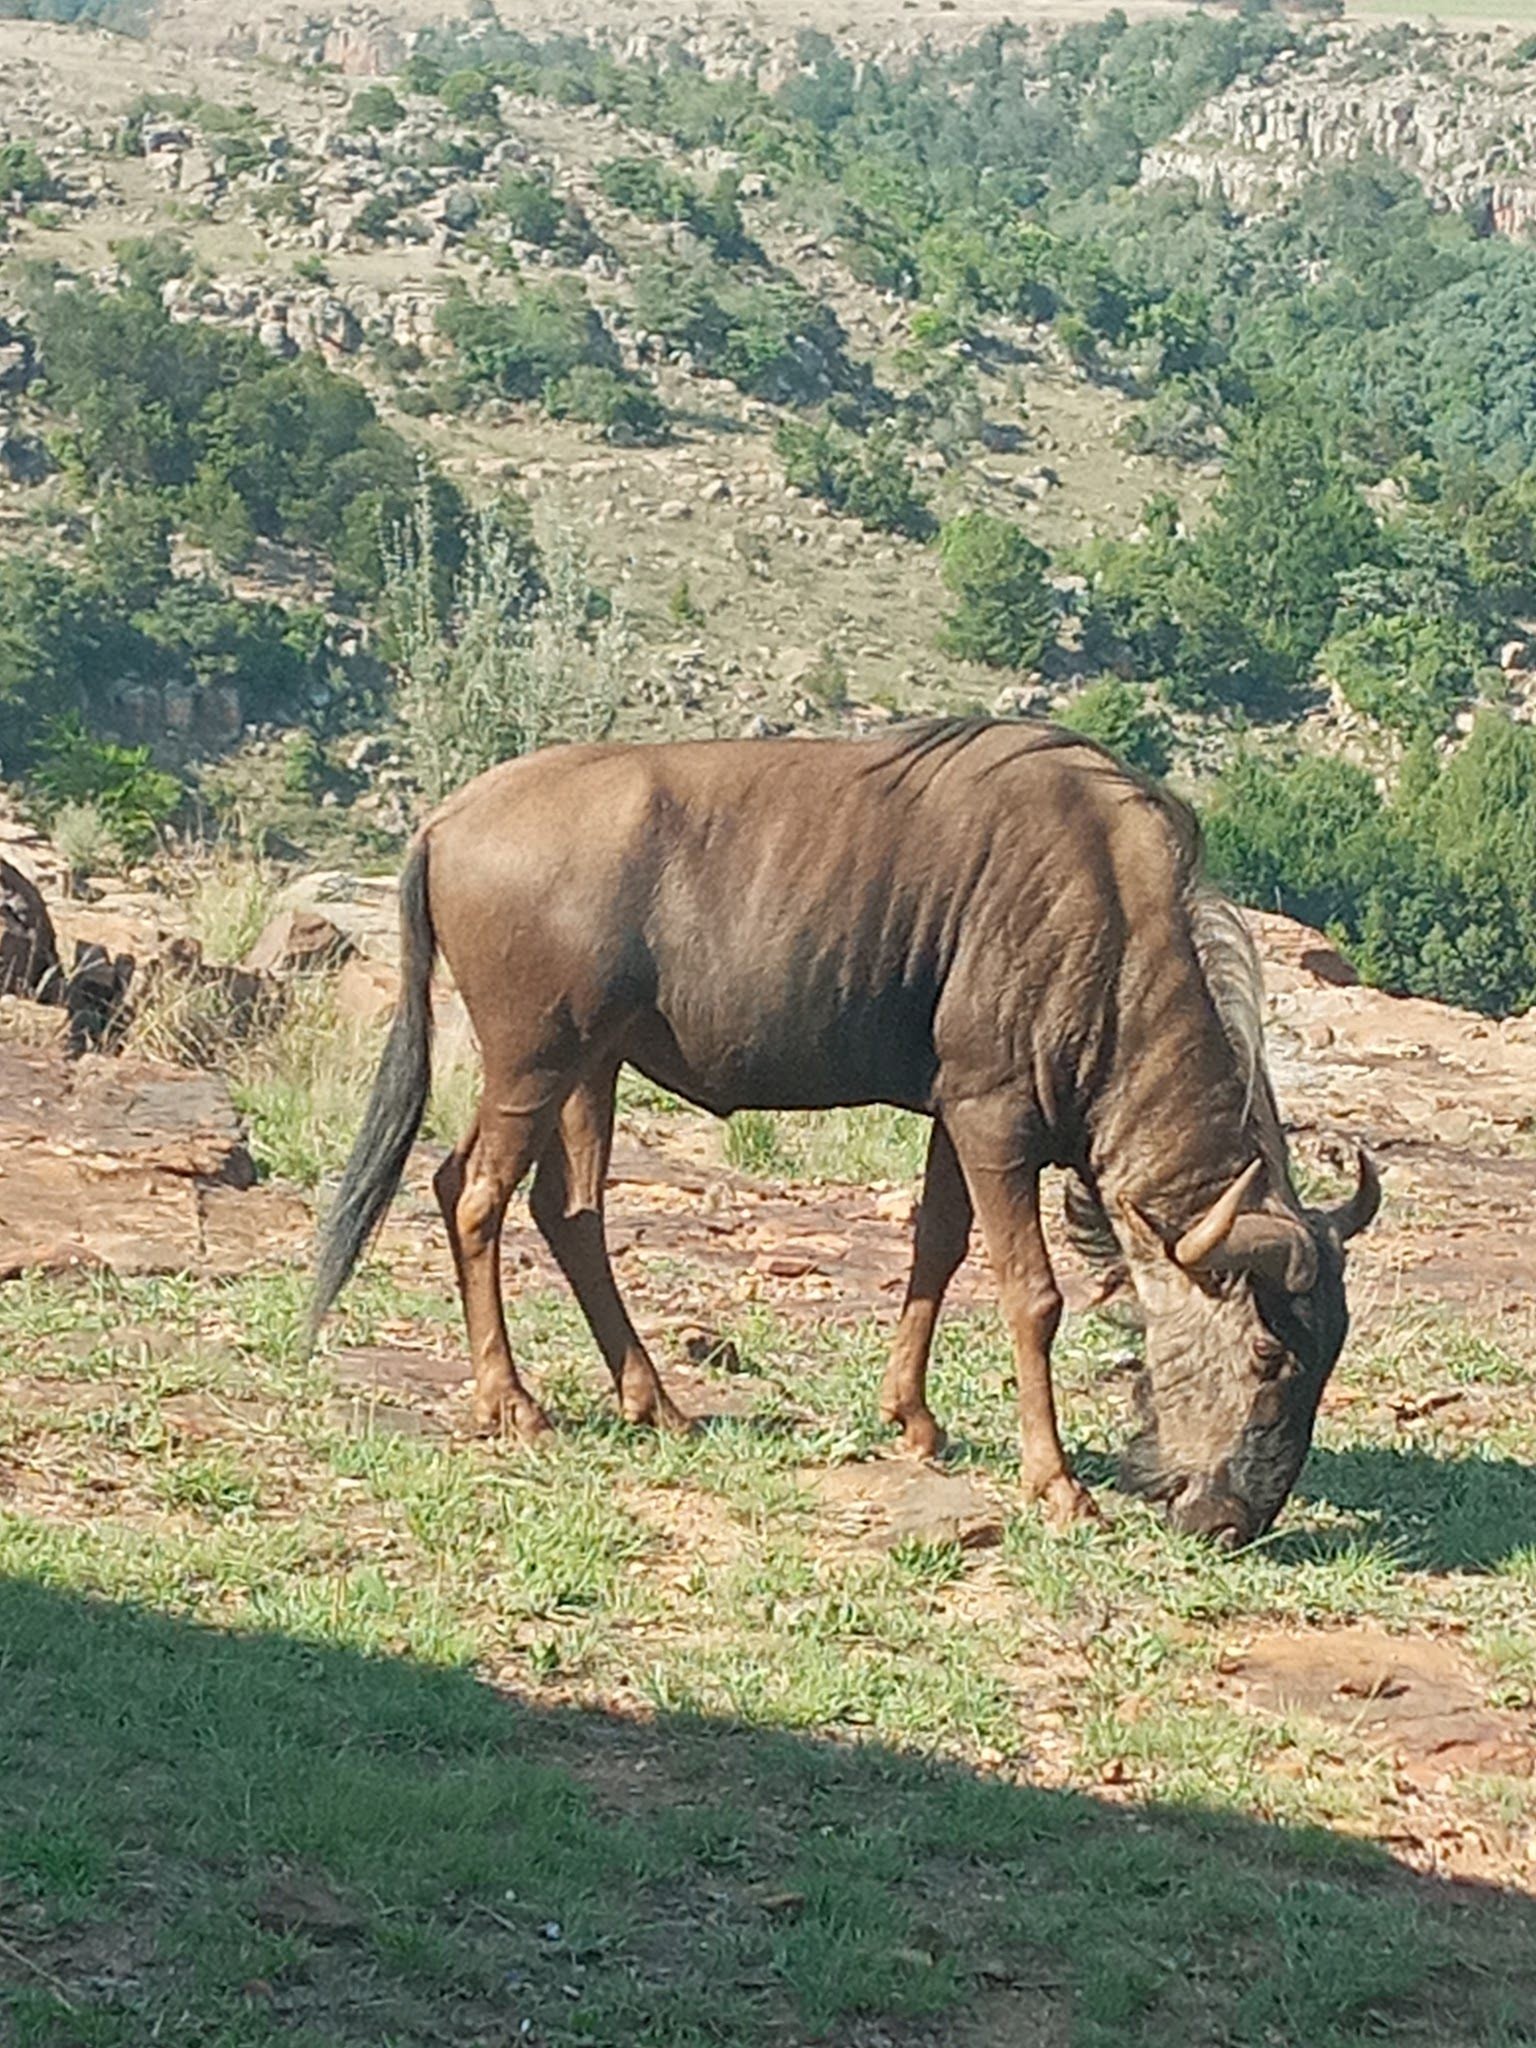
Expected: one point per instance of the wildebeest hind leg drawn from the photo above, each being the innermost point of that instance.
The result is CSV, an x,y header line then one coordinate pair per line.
x,y
942,1233
1005,1188
567,1204
473,1185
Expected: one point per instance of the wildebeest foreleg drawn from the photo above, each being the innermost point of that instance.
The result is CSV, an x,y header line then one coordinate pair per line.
x,y
1007,1203
567,1204
942,1232
474,1185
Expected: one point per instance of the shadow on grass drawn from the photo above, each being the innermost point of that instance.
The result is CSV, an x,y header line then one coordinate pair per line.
x,y
234,1840
1468,1514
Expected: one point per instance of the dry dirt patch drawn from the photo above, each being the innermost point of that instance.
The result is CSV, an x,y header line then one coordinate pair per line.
x,y
1413,1699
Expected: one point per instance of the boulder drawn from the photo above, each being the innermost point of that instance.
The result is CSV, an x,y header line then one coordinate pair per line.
x,y
298,941
366,990
1295,955
134,1166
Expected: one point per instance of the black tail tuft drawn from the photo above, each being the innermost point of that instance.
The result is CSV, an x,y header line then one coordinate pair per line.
x,y
396,1106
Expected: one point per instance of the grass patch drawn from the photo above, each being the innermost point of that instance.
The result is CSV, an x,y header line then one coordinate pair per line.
x,y
317,1729
870,1144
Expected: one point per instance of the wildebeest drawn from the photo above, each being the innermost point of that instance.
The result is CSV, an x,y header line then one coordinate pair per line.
x,y
994,924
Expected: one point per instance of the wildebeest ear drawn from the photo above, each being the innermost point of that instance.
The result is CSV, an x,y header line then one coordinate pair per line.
x,y
1144,1233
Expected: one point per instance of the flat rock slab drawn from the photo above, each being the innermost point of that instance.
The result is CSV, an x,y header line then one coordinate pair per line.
x,y
885,1502
129,1165
1415,1700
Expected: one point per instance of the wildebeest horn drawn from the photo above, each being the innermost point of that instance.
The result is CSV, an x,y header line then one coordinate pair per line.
x,y
1355,1215
1195,1248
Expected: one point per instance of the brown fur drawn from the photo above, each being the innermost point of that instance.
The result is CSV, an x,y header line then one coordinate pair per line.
x,y
992,924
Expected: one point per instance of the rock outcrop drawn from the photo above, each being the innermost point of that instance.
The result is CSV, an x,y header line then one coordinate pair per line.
x,y
1458,113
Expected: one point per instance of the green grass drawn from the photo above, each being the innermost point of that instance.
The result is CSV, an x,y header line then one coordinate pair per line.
x,y
312,1731
873,1144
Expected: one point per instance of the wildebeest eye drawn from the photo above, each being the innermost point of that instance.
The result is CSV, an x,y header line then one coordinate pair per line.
x,y
1268,1354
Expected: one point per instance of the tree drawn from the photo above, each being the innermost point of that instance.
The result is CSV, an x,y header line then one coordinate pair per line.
x,y
506,662
1407,671
1288,521
1005,612
517,347
1120,716
375,107
866,476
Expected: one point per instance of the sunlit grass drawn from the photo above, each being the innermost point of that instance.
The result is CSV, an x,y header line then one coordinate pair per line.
x,y
697,1583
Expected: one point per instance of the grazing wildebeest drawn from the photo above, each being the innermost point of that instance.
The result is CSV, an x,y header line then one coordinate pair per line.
x,y
996,925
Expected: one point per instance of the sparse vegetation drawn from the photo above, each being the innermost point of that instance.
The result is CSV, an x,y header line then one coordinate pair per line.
x,y
514,657
866,476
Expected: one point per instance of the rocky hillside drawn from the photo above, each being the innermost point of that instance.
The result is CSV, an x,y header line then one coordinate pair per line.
x,y
1456,111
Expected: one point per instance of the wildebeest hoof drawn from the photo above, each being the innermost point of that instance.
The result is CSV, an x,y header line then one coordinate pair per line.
x,y
1065,1504
511,1416
923,1437
657,1411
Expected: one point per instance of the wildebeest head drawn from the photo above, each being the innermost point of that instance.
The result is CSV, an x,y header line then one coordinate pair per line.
x,y
1245,1318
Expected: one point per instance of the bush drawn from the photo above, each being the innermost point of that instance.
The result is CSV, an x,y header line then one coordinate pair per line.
x,y
1120,716
1005,612
627,411
1434,892
86,841
518,347
130,797
530,208
645,186
468,95
505,662
376,216
865,477
23,174
767,336
1408,672
150,262
375,107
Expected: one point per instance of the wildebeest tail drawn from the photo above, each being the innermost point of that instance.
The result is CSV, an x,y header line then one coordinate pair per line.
x,y
396,1106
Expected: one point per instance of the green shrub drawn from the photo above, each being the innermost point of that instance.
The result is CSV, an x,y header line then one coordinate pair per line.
x,y
766,335
1408,672
376,216
867,477
150,262
23,174
645,186
517,347
529,207
132,797
628,412
1004,610
468,95
375,107
1120,715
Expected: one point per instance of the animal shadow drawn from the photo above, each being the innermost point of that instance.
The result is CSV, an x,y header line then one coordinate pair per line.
x,y
1469,1514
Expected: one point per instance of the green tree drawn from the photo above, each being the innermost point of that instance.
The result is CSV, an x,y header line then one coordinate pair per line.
x,y
1407,671
1288,521
1004,611
865,476
1120,715
375,107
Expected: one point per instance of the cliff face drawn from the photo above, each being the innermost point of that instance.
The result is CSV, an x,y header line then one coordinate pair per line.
x,y
1457,112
